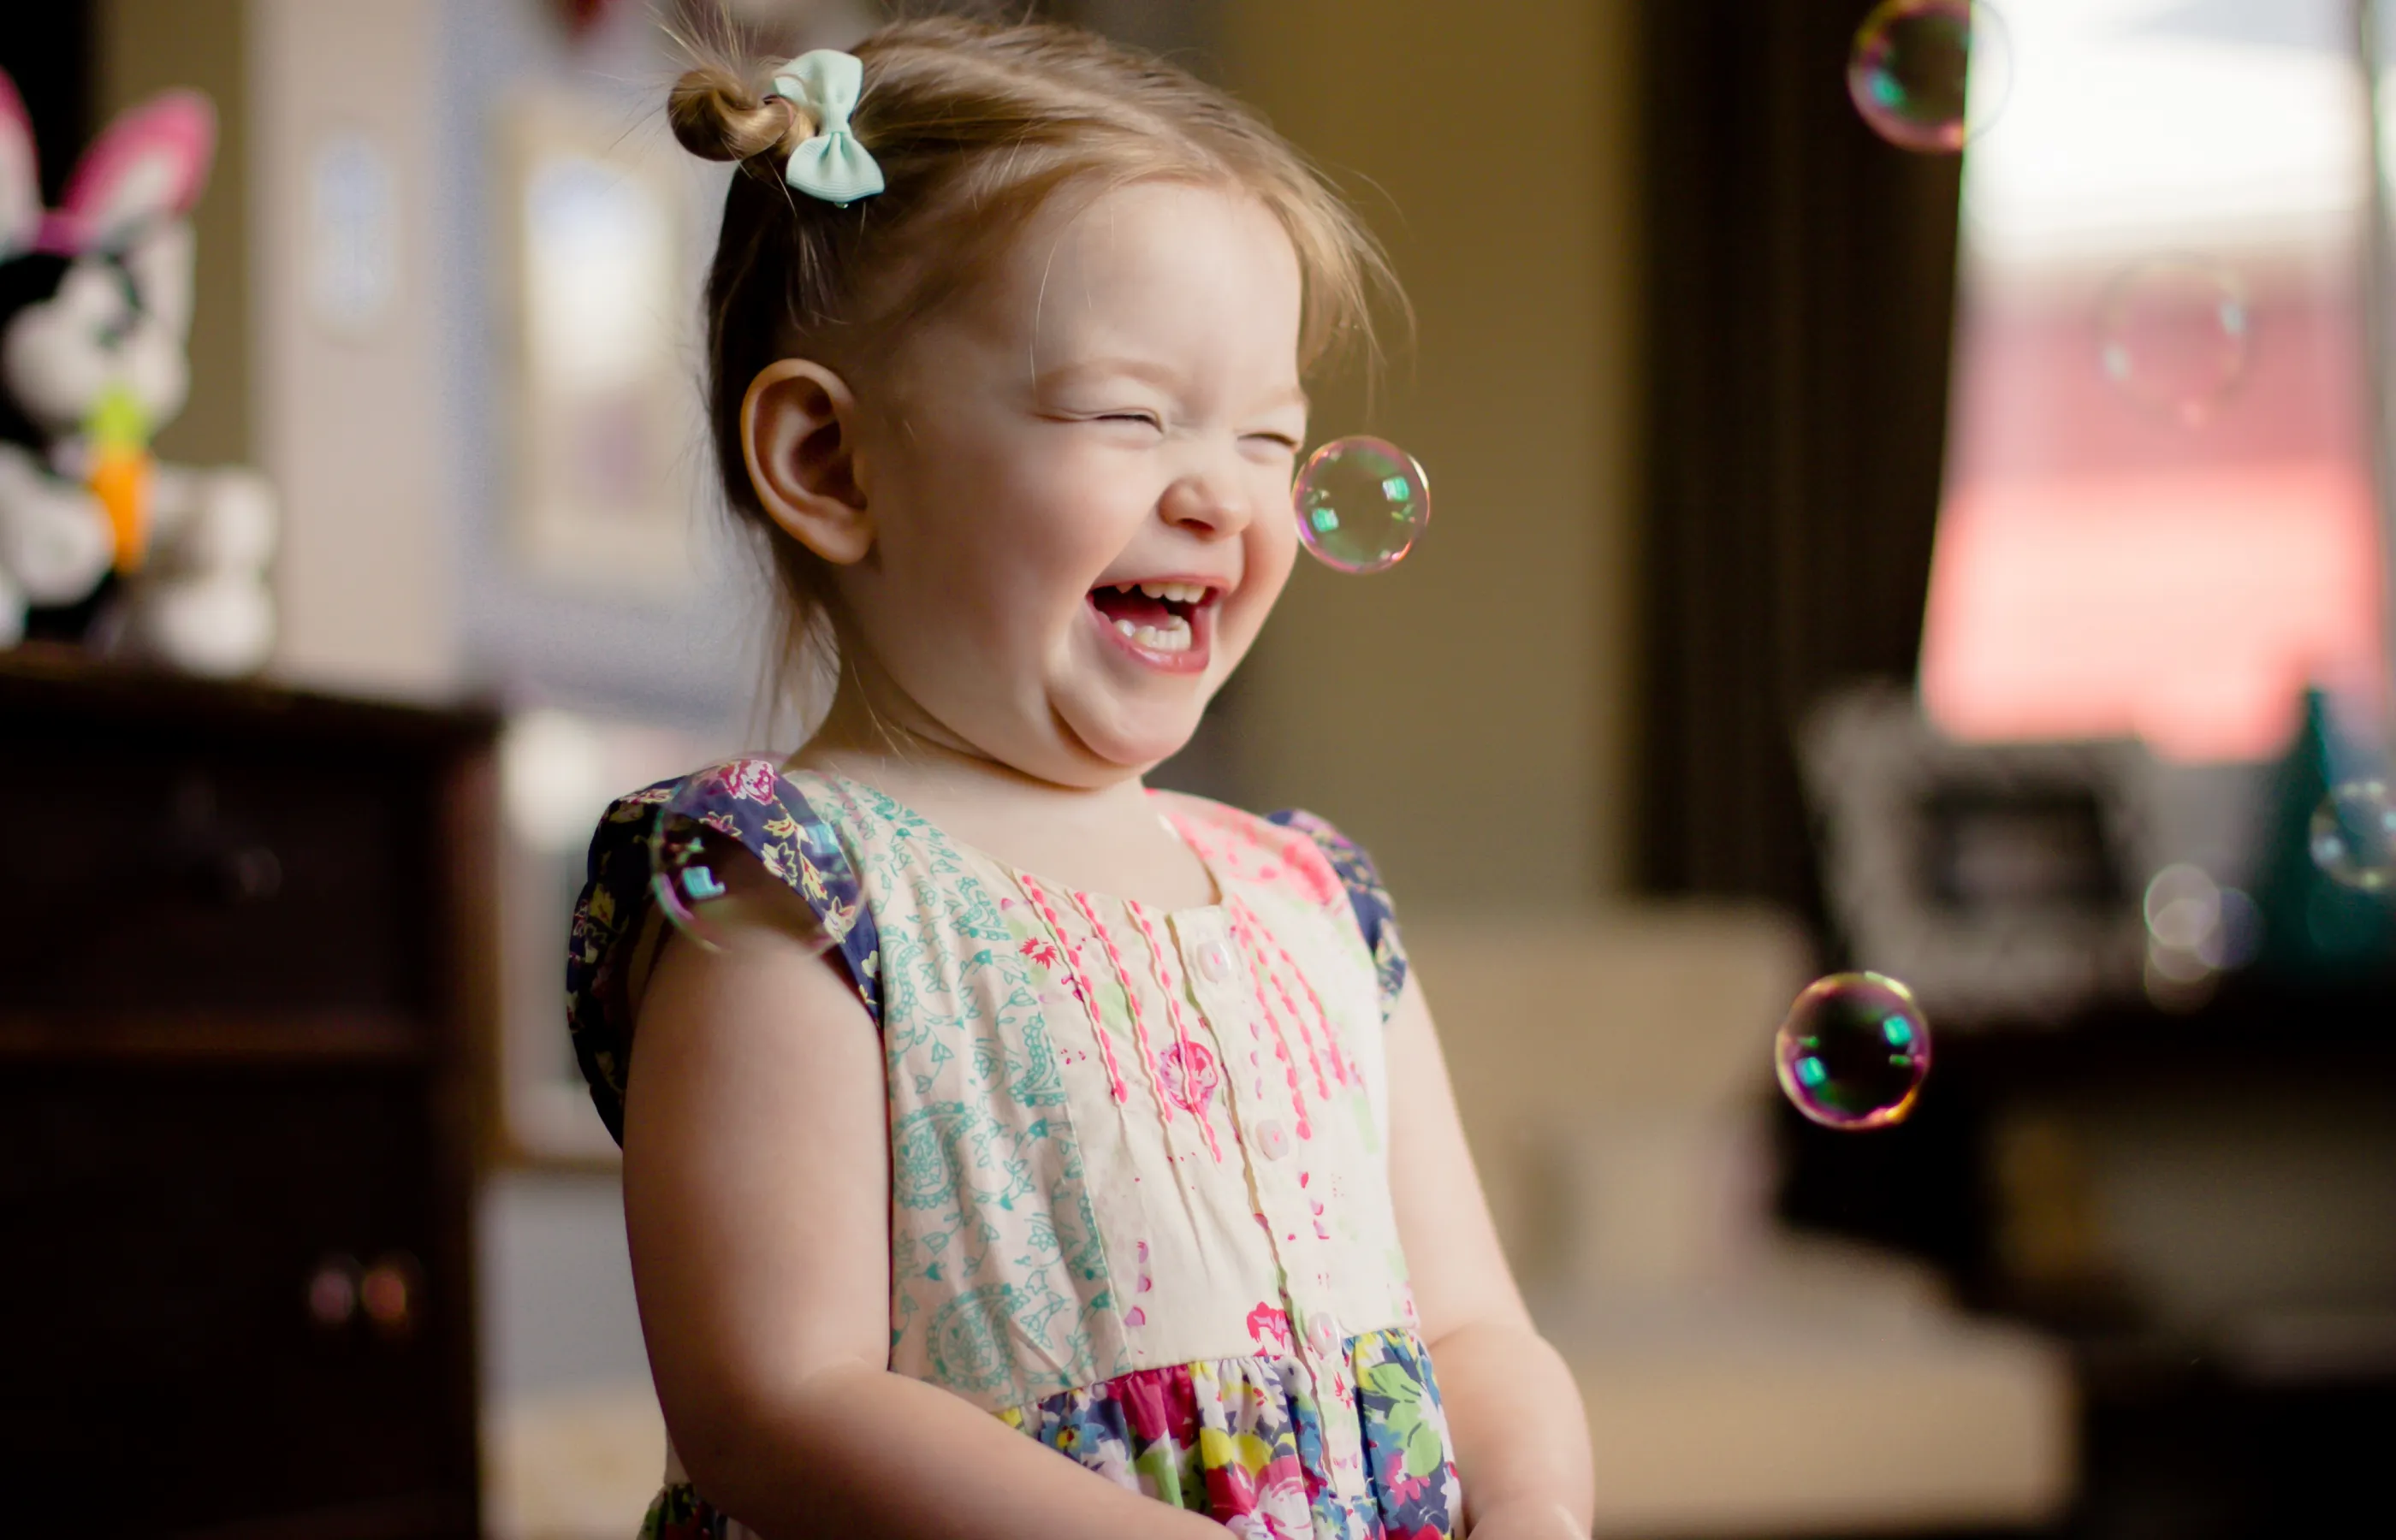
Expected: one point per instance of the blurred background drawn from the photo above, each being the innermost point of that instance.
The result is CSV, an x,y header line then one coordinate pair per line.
x,y
1943,540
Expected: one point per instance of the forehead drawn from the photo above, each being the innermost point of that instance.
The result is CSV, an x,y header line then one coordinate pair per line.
x,y
1156,268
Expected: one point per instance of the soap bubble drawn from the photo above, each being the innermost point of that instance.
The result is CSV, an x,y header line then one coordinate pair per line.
x,y
1930,74
2195,925
2173,335
706,876
2197,930
2353,835
1853,1052
1361,503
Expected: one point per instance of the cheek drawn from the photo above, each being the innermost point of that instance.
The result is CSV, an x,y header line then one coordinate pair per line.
x,y
1004,541
1270,552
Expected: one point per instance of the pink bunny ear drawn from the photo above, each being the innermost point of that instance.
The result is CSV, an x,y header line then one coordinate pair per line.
x,y
148,165
20,174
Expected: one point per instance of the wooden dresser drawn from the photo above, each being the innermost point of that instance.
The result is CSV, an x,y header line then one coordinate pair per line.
x,y
244,977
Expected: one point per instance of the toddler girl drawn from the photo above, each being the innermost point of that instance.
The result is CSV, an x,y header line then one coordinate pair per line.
x,y
1044,1156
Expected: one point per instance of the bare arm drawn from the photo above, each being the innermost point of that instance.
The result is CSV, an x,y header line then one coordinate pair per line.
x,y
756,1195
1522,1439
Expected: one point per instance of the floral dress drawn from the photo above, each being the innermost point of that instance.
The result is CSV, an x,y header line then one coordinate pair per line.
x,y
1139,1197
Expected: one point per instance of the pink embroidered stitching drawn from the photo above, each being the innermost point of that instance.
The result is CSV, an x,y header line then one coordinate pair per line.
x,y
1339,1064
1180,1027
1033,891
1281,1041
1249,927
1131,1004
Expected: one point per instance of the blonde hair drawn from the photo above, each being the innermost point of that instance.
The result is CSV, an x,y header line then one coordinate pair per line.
x,y
974,125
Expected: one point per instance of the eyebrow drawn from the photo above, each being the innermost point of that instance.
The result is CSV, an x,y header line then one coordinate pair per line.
x,y
1160,375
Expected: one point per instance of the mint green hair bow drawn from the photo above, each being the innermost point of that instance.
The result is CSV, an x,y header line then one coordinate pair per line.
x,y
831,165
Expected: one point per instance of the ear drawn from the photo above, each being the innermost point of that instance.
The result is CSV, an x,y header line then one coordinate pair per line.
x,y
150,166
20,174
798,433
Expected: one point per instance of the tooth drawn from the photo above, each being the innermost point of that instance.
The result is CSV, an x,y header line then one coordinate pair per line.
x,y
1146,636
1156,590
1126,627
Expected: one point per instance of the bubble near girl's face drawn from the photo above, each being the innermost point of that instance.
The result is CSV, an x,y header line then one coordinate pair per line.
x,y
1853,1052
2353,836
1361,503
1930,75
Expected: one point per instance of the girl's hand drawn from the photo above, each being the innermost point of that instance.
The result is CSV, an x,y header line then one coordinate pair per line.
x,y
1528,1521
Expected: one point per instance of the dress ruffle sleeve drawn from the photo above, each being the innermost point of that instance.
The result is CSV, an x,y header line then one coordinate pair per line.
x,y
748,799
1375,914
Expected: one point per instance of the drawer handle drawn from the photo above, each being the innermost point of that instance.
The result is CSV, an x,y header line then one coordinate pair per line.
x,y
391,1291
333,1291
249,874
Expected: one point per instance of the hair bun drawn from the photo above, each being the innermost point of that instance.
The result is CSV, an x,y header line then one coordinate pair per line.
x,y
717,115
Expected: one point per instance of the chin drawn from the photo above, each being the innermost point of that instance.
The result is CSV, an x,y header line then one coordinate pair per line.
x,y
1131,748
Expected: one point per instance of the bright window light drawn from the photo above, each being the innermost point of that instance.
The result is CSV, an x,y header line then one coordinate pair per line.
x,y
2158,517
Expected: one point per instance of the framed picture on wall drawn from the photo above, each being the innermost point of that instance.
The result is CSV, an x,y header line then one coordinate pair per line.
x,y
2003,881
598,229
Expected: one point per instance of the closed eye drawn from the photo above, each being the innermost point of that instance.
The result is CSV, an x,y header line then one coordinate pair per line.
x,y
1148,418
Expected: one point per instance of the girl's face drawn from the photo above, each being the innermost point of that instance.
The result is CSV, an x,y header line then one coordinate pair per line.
x,y
1079,483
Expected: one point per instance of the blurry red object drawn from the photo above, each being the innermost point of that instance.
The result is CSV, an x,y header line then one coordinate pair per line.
x,y
583,15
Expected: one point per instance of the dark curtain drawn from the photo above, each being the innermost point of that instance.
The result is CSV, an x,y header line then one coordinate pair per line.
x,y
1801,296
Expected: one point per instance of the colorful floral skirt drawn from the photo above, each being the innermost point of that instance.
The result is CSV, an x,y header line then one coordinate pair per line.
x,y
1238,1440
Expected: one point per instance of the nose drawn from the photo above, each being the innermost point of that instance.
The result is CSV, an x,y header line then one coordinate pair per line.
x,y
1207,502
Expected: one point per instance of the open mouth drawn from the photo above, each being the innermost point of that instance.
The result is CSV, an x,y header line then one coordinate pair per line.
x,y
1163,618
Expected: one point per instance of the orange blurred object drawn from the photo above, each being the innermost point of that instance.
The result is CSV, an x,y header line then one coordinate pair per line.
x,y
120,479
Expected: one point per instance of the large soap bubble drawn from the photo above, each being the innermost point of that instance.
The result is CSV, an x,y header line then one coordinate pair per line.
x,y
1853,1052
1930,75
1361,503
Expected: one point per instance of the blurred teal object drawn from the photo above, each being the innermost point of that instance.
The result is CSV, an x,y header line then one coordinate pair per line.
x,y
2315,927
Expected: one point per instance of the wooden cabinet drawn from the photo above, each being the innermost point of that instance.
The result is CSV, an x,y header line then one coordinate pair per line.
x,y
243,971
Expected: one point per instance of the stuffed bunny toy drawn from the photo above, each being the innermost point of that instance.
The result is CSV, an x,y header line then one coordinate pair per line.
x,y
99,542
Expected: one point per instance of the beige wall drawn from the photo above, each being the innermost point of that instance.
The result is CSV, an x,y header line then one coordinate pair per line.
x,y
348,424
143,46
1466,715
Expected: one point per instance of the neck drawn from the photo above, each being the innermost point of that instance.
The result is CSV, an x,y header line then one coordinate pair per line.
x,y
877,734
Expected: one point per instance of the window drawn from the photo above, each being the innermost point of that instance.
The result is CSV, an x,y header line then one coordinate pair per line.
x,y
2159,516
